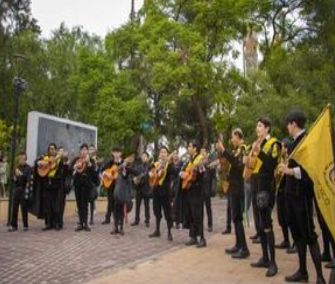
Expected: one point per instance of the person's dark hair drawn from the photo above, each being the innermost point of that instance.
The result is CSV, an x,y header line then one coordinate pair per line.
x,y
22,153
296,116
84,145
52,145
265,121
116,149
195,144
205,148
164,147
238,132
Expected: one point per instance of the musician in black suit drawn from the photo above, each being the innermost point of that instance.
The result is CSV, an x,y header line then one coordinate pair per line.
x,y
236,191
299,196
116,159
22,179
165,170
51,185
143,190
85,178
267,149
195,196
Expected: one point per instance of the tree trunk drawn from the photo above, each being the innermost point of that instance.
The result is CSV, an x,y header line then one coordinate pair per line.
x,y
202,121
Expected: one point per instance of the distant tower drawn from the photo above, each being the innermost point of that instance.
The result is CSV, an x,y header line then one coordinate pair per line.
x,y
250,57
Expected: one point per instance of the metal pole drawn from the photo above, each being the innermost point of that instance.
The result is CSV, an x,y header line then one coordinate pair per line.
x,y
18,87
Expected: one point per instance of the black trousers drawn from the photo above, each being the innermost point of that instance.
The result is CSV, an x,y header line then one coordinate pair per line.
x,y
326,235
110,204
282,214
19,201
62,199
228,221
82,194
51,206
92,208
118,215
237,208
208,206
161,201
196,216
139,198
300,218
254,189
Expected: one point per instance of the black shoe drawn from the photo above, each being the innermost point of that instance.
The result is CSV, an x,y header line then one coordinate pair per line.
x,y
297,277
12,229
177,226
147,224
210,229
121,232
155,234
226,231
261,263
25,229
106,222
114,232
170,238
256,241
254,237
202,243
79,228
134,224
283,245
191,242
57,227
272,270
320,280
241,254
87,228
47,228
232,250
325,257
292,250
91,222
331,265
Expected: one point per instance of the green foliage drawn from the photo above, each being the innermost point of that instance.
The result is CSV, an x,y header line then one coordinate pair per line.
x,y
167,69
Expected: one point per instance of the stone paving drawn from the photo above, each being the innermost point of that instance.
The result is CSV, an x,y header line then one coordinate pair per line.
x,y
100,258
69,257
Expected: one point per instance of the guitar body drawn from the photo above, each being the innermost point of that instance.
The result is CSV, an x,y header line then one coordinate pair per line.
x,y
155,174
188,178
81,166
46,165
109,176
249,168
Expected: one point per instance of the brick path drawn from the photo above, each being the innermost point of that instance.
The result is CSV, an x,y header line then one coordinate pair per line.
x,y
98,257
69,257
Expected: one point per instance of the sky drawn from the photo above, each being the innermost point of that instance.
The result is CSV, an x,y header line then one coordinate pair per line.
x,y
95,16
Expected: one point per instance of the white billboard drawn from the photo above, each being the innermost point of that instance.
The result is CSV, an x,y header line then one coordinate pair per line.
x,y
43,129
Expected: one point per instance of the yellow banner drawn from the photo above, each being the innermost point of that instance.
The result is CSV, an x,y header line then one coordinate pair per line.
x,y
315,154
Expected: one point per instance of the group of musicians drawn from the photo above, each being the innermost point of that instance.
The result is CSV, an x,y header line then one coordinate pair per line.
x,y
180,189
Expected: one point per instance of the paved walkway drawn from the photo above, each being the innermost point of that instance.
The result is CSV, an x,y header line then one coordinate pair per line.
x,y
98,257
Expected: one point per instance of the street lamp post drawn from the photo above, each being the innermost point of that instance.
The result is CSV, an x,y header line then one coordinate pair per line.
x,y
19,86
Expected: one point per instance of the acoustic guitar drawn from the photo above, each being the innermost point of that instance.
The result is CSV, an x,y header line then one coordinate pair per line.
x,y
46,165
109,176
190,174
157,171
251,161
